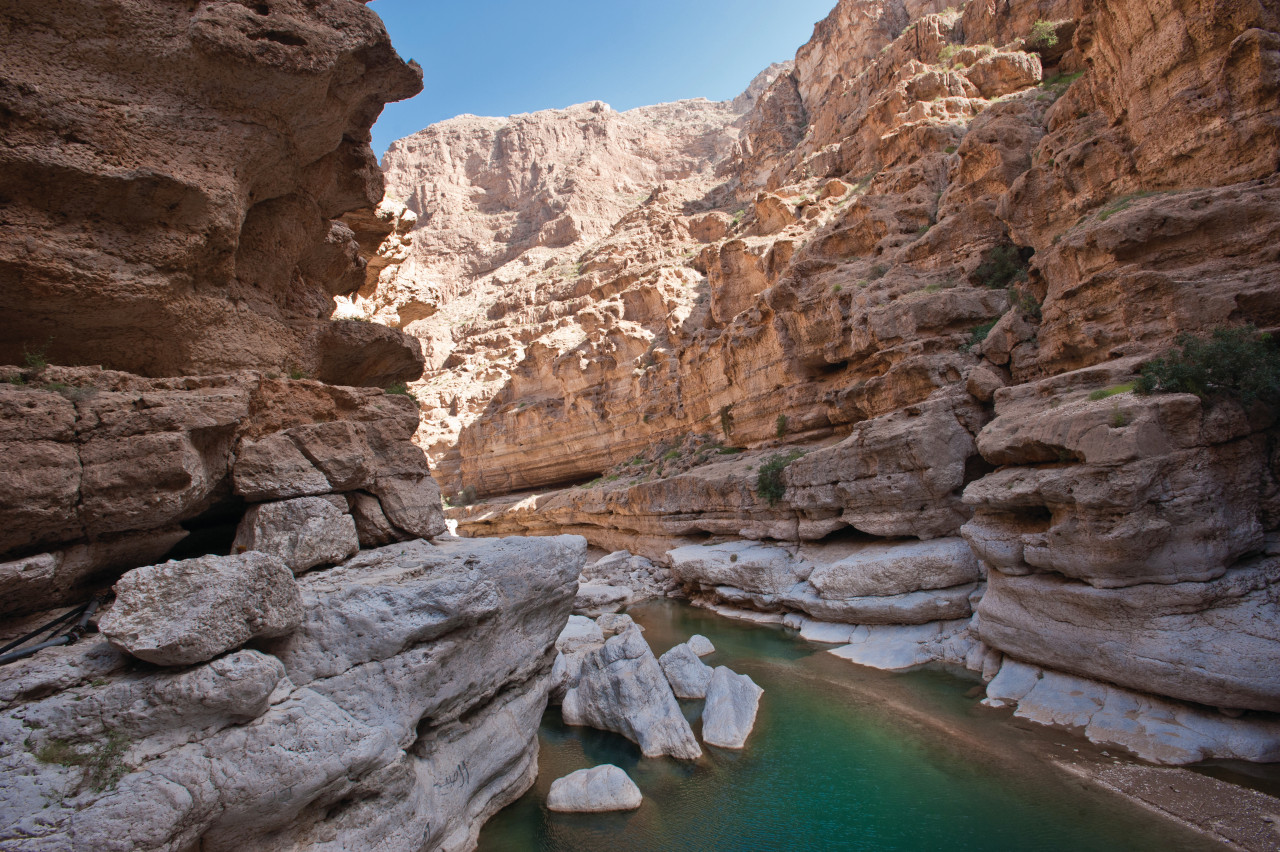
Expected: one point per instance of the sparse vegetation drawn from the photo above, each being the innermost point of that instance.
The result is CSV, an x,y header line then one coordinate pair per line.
x,y
295,373
1103,393
769,482
1238,363
738,217
1002,266
950,149
933,288
979,334
1119,419
836,288
948,53
399,389
1121,203
1024,301
878,271
465,497
103,762
781,426
671,454
1043,34
726,420
36,359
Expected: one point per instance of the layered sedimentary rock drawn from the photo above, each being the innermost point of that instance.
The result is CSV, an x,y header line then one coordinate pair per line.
x,y
173,188
897,306
107,471
371,724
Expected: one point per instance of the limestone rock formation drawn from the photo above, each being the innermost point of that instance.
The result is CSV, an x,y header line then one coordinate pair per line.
x,y
304,532
373,724
108,471
180,613
620,687
700,645
597,599
688,675
173,194
901,310
730,713
601,788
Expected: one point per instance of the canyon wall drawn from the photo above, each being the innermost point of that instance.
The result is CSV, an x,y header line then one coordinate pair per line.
x,y
174,180
898,306
272,642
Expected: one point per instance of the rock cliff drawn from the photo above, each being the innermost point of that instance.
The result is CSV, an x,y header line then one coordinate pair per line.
x,y
881,319
174,186
281,647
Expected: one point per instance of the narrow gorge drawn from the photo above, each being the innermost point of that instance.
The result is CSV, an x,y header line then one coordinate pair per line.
x,y
932,378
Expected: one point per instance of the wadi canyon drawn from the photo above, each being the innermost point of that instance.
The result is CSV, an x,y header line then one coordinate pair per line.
x,y
859,353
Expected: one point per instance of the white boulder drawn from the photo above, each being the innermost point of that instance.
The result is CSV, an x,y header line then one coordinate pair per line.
x,y
621,688
596,790
730,713
179,613
700,645
688,675
304,533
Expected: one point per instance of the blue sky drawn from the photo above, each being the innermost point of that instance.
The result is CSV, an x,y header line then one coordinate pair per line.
x,y
499,57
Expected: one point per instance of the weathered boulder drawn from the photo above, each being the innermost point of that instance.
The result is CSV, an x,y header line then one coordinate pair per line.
x,y
896,568
303,533
730,713
179,613
688,675
621,688
700,645
595,790
597,599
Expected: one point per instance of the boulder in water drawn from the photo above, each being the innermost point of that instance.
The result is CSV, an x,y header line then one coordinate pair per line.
x,y
688,676
732,703
602,788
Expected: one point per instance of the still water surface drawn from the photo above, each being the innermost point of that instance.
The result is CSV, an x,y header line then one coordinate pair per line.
x,y
841,758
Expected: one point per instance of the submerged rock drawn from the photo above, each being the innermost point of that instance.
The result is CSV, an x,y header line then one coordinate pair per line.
x,y
621,688
688,675
179,613
730,713
602,788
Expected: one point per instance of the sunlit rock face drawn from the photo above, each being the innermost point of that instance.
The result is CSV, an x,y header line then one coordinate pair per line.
x,y
899,300
173,185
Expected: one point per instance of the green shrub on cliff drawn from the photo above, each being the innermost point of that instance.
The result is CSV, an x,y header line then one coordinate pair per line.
x,y
1043,34
769,483
1236,362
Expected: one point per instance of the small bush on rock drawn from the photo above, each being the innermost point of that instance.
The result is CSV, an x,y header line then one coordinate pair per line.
x,y
769,483
1238,363
1043,34
1002,266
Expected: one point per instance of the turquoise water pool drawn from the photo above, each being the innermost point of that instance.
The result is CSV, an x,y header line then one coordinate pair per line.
x,y
842,758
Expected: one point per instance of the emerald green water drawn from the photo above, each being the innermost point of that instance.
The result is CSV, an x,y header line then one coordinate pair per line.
x,y
842,758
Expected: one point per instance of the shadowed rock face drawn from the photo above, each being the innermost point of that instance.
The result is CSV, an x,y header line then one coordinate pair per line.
x,y
171,186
